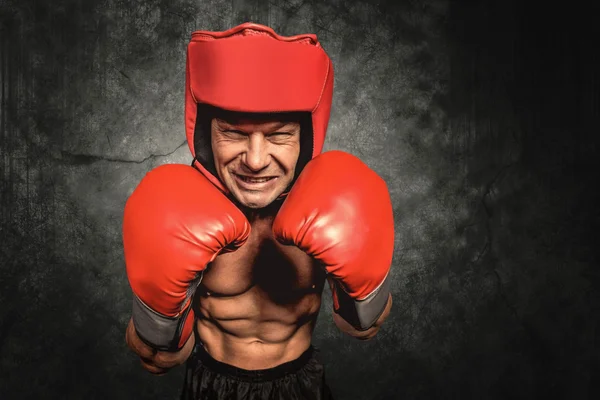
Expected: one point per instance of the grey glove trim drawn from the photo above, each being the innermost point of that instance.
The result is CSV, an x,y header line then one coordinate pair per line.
x,y
157,330
362,314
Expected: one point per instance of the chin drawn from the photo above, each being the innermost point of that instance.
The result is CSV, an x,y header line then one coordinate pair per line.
x,y
256,202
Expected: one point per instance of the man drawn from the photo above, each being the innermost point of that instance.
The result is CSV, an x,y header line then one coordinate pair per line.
x,y
227,258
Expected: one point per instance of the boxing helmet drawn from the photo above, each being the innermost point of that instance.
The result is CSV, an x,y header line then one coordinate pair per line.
x,y
252,69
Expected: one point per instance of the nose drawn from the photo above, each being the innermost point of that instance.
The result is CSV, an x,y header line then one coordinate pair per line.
x,y
256,156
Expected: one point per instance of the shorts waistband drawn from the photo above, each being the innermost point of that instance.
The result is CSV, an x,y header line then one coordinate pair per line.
x,y
254,375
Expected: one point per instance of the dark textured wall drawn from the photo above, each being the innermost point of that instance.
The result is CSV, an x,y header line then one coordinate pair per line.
x,y
483,117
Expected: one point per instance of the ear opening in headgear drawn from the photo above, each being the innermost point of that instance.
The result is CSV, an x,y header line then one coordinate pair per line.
x,y
202,142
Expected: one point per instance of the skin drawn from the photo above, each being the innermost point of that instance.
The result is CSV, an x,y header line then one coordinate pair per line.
x,y
256,308
255,149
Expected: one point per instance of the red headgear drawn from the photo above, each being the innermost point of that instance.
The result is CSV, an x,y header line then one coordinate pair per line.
x,y
250,68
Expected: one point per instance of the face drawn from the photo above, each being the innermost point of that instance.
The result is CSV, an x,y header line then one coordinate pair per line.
x,y
255,159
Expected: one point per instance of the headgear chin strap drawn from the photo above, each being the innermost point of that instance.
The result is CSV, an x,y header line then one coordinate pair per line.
x,y
250,68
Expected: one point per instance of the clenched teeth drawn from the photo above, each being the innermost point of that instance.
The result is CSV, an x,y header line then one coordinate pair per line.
x,y
254,180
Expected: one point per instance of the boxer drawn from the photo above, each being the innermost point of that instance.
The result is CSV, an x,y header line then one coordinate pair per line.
x,y
227,258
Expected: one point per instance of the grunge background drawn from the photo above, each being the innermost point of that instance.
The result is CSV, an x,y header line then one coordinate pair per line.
x,y
483,117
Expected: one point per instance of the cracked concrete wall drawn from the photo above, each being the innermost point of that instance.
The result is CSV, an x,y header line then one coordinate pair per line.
x,y
481,117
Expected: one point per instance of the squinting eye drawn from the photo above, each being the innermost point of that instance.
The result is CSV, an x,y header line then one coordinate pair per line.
x,y
234,132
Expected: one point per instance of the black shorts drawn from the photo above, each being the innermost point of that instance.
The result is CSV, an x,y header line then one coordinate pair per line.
x,y
209,379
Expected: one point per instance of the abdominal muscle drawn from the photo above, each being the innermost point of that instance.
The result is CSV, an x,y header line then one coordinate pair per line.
x,y
256,308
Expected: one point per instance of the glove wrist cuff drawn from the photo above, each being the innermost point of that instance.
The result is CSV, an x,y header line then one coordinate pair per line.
x,y
362,314
158,331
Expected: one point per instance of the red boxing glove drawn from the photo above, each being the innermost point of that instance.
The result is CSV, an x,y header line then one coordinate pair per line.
x,y
339,212
175,223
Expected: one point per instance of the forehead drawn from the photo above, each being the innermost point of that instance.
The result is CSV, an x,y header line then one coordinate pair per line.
x,y
256,124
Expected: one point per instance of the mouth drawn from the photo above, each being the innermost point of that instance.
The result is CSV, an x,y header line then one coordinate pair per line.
x,y
251,182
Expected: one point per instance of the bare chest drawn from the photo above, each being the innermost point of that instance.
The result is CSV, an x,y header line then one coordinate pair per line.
x,y
263,265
